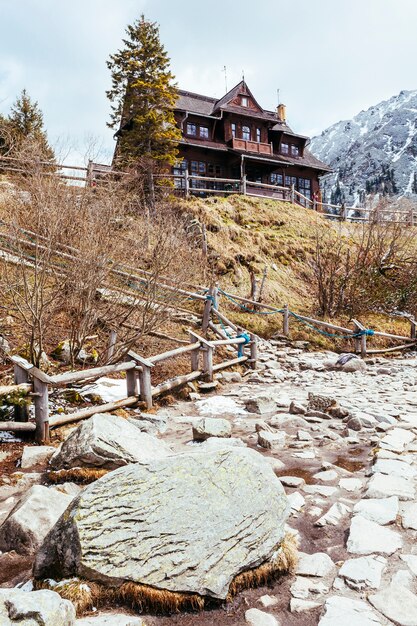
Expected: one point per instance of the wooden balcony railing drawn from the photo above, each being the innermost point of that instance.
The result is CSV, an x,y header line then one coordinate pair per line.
x,y
251,146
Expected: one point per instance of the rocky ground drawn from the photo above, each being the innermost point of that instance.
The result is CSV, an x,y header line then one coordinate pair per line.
x,y
343,443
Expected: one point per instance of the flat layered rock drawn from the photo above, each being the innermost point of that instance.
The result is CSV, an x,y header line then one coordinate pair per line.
x,y
187,523
35,608
379,510
107,441
255,617
211,427
394,468
318,564
341,611
366,537
383,486
366,571
397,603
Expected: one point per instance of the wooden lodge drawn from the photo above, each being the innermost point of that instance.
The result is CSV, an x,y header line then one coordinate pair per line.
x,y
235,138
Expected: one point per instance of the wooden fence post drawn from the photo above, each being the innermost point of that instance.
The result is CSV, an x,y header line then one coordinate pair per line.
x,y
292,194
360,342
243,184
286,321
21,375
112,343
253,351
132,383
208,362
187,183
413,324
195,356
207,308
145,384
40,388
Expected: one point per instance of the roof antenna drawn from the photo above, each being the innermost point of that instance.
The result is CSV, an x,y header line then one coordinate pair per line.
x,y
243,75
225,76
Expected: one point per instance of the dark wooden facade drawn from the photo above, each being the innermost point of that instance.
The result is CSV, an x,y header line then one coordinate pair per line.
x,y
234,136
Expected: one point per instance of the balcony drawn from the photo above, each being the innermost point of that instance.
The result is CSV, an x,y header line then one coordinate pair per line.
x,y
251,146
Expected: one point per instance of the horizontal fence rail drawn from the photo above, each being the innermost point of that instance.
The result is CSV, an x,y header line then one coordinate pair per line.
x,y
193,184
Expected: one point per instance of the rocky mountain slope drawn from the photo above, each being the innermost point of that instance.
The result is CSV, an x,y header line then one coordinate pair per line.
x,y
373,153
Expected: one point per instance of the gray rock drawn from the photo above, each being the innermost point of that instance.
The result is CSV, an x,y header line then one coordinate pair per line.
x,y
32,518
270,440
35,608
292,481
255,617
397,603
107,441
348,612
151,424
337,511
298,605
404,578
366,571
189,523
397,439
318,564
354,423
296,501
379,510
394,468
268,601
211,427
383,486
261,405
366,537
297,409
409,516
34,455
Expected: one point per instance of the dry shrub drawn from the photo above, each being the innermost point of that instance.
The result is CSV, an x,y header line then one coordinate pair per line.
x,y
82,475
91,261
143,598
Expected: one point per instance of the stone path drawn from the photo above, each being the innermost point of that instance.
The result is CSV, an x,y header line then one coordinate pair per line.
x,y
350,472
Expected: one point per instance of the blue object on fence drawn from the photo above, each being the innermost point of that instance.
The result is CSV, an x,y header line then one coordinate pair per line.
x,y
246,337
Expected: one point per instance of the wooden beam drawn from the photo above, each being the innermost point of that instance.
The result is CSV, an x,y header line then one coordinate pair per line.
x,y
59,420
95,372
175,382
174,353
17,427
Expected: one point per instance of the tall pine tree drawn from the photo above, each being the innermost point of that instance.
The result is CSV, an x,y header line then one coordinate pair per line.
x,y
143,96
25,123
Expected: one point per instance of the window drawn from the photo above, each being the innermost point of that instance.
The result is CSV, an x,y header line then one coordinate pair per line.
x,y
244,101
285,148
295,151
258,135
204,132
304,185
198,167
191,129
246,133
276,179
290,180
233,130
214,170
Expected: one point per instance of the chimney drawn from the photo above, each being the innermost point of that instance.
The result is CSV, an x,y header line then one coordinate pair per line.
x,y
281,112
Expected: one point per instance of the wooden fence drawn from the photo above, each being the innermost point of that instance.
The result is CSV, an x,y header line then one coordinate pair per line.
x,y
34,384
192,184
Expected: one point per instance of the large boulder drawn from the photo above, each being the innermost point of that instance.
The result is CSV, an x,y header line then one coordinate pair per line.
x,y
28,523
35,608
186,523
107,441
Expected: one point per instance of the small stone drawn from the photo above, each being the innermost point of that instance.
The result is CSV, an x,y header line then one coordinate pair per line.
x,y
366,571
297,409
348,612
318,564
303,435
292,481
379,510
321,490
326,476
303,587
209,386
409,516
296,501
382,486
43,608
211,427
268,601
397,439
350,484
337,511
270,440
261,405
397,603
366,537
354,423
255,617
36,455
301,606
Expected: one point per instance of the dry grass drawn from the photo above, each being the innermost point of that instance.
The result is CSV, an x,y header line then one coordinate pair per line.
x,y
85,595
82,475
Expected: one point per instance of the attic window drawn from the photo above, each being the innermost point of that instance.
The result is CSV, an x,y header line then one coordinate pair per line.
x,y
244,101
295,151
191,129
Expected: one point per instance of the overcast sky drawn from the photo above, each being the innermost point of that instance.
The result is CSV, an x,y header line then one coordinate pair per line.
x,y
329,58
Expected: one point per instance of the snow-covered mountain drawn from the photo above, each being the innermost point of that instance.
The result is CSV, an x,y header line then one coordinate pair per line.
x,y
375,152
